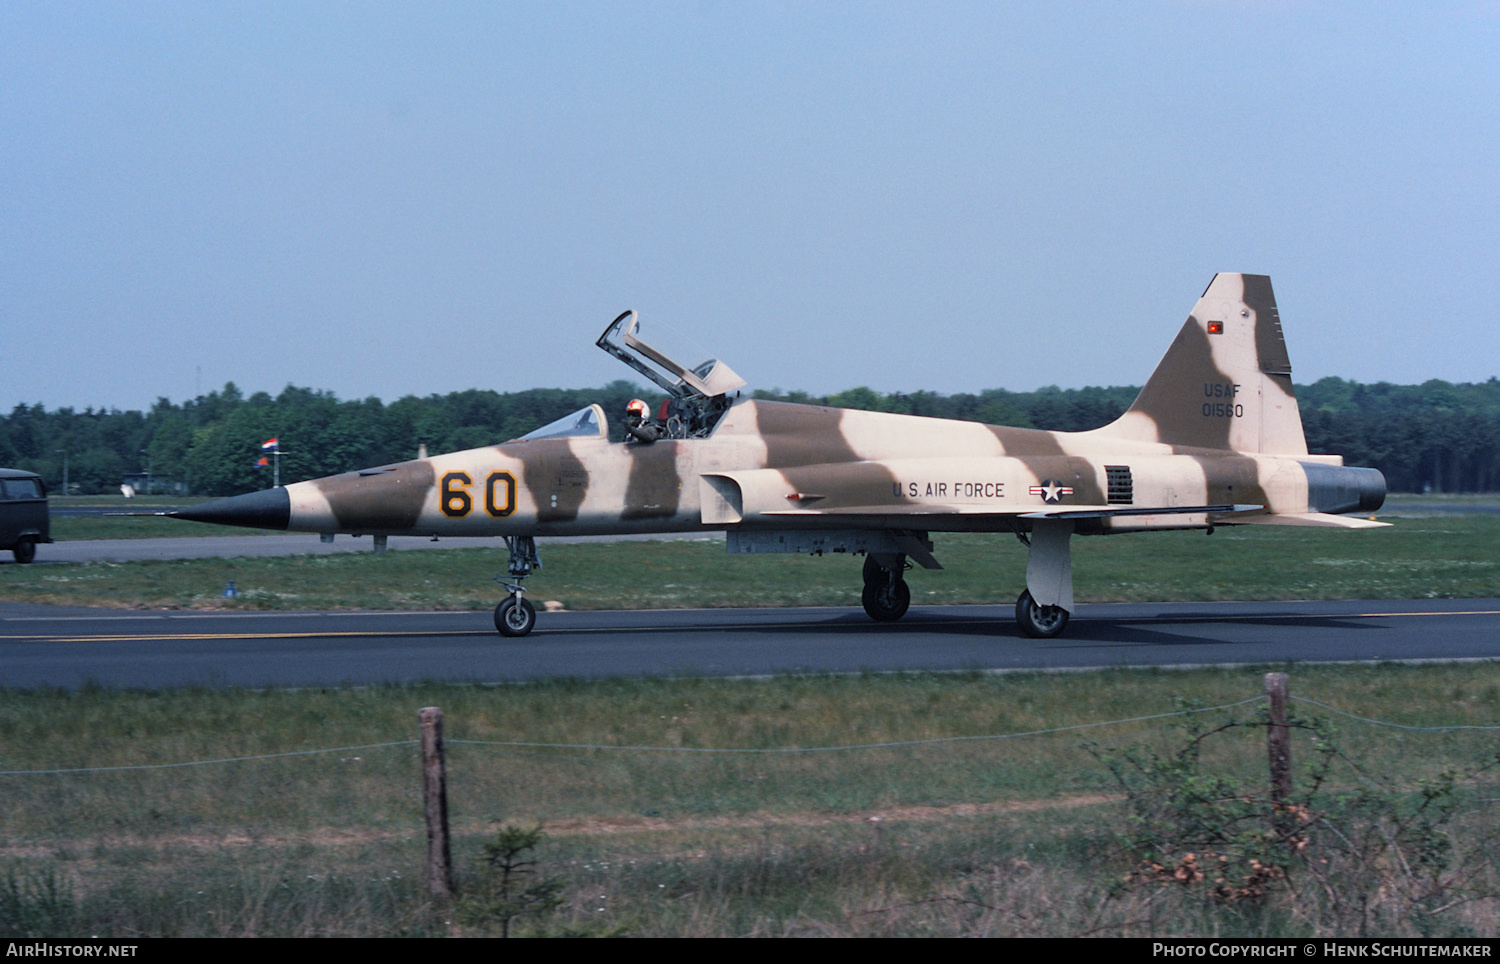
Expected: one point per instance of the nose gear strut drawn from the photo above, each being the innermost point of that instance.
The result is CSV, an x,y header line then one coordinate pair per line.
x,y
515,616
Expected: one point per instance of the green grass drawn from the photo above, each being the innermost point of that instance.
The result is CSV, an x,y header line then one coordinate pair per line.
x,y
1002,838
978,837
1437,556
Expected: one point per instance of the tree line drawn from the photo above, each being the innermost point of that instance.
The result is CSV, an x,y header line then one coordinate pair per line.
x,y
1436,436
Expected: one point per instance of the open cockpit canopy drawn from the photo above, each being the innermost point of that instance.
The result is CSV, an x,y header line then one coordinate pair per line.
x,y
700,395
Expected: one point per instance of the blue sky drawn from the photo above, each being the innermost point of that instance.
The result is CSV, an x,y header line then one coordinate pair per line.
x,y
380,199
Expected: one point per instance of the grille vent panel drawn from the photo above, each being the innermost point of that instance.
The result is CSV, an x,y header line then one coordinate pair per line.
x,y
1121,487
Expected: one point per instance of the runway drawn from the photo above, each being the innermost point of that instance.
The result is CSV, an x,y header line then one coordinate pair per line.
x,y
71,647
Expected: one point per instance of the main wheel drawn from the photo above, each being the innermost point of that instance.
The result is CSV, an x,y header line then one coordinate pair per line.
x,y
1037,621
874,571
513,618
25,550
888,601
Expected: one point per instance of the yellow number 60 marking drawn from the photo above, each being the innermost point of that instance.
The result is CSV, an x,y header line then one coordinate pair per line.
x,y
455,497
500,494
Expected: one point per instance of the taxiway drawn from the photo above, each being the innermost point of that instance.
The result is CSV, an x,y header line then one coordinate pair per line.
x,y
71,647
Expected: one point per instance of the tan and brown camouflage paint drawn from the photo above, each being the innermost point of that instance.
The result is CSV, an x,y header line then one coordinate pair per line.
x,y
801,466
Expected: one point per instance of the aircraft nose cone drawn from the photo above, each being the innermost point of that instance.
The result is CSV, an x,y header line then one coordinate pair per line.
x,y
268,509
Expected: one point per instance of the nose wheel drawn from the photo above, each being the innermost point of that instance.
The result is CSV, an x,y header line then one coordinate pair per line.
x,y
515,616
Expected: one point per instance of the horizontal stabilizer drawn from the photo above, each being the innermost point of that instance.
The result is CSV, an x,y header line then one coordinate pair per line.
x,y
1315,519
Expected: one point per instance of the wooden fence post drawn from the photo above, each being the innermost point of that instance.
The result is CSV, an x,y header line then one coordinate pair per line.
x,y
435,794
1279,749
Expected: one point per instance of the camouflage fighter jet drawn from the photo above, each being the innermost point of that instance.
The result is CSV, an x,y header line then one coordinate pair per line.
x,y
1214,438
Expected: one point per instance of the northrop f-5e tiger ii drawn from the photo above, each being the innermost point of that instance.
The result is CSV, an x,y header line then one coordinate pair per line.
x,y
1213,439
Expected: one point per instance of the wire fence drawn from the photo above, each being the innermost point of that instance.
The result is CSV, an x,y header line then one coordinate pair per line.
x,y
753,751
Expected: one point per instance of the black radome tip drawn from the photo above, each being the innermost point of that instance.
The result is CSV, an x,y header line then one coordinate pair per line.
x,y
268,509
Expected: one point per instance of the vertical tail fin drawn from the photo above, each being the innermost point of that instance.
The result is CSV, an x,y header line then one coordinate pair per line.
x,y
1226,382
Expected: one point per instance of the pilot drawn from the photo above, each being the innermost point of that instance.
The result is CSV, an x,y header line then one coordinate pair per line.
x,y
638,424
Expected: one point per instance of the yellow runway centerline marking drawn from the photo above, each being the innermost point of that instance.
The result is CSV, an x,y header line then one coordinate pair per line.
x,y
167,637
1253,617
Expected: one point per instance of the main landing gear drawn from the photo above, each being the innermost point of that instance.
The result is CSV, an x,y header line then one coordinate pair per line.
x,y
1042,611
886,596
1038,621
515,616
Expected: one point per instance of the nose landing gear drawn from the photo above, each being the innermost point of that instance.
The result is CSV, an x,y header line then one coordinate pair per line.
x,y
515,616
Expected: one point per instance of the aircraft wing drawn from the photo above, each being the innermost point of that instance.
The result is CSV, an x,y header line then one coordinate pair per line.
x,y
734,497
1016,511
1225,514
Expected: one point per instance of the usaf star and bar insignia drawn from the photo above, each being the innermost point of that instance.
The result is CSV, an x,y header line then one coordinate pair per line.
x,y
1051,491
